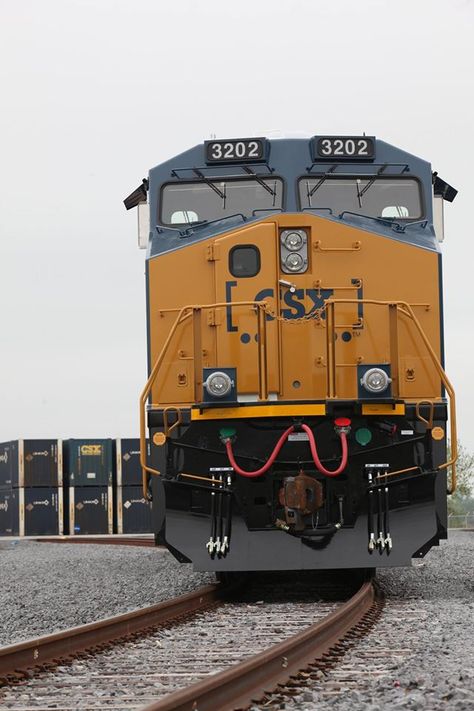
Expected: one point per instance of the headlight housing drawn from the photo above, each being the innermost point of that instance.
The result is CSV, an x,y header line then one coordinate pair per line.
x,y
218,384
294,262
293,240
293,251
375,380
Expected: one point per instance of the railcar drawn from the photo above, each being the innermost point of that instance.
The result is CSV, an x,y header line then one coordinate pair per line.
x,y
297,404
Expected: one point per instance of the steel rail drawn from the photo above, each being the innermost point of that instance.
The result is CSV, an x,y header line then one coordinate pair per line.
x,y
243,684
112,540
19,657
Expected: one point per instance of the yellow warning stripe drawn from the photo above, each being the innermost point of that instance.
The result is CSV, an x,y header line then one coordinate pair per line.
x,y
385,409
232,413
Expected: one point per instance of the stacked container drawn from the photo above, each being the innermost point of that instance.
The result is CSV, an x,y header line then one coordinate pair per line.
x,y
31,487
89,472
133,510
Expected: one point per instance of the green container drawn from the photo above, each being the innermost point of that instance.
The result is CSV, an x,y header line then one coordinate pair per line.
x,y
89,462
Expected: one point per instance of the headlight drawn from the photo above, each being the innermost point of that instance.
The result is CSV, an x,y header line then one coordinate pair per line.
x,y
218,384
294,262
375,380
293,241
294,251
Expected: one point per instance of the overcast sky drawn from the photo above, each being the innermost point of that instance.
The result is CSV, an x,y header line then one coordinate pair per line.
x,y
95,92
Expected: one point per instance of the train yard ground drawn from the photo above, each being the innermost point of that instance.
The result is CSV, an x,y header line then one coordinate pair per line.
x,y
417,655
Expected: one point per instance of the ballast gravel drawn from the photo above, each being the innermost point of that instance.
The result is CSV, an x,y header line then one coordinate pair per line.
x,y
429,621
428,618
46,587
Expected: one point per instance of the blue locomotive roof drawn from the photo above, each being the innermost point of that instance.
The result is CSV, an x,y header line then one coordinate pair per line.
x,y
290,159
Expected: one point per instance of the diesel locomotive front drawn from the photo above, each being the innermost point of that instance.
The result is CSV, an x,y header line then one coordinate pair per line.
x,y
297,403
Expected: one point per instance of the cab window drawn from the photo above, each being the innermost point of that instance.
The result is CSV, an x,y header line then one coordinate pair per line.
x,y
244,260
390,197
184,203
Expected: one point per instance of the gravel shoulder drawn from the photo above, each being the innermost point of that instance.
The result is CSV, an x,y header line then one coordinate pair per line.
x,y
46,587
430,612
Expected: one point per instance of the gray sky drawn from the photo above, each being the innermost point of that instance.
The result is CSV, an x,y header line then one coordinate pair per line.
x,y
95,92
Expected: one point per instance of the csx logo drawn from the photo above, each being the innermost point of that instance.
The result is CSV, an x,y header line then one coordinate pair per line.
x,y
4,458
91,450
4,506
296,304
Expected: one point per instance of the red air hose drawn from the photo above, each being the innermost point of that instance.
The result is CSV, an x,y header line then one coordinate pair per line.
x,y
314,452
312,443
262,470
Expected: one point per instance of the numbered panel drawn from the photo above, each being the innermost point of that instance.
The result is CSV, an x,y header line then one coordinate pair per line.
x,y
242,150
343,148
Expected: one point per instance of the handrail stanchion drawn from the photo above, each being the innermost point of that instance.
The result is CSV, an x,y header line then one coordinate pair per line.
x,y
262,352
394,357
330,350
197,353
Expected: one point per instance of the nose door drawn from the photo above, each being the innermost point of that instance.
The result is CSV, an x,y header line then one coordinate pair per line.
x,y
246,270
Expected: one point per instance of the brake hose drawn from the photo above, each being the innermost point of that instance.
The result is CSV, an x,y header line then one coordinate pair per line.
x,y
342,428
267,465
312,444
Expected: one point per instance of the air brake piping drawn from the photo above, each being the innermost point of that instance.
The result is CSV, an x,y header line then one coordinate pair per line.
x,y
342,427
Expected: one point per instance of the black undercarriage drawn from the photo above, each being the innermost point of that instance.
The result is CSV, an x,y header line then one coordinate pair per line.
x,y
294,517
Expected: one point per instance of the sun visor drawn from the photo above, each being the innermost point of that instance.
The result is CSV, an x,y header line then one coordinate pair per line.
x,y
138,195
443,189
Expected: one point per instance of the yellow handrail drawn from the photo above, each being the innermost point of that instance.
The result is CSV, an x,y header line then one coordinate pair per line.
x,y
406,310
261,309
184,313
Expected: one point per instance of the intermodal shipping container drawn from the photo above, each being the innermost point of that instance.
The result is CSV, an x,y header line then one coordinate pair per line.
x,y
90,510
6,456
31,511
31,463
8,505
88,462
127,462
133,510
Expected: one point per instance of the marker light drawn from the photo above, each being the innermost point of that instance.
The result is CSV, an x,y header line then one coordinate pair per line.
x,y
293,241
218,384
294,262
375,380
363,436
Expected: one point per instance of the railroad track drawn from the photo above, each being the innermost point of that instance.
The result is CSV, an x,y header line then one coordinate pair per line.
x,y
112,540
204,650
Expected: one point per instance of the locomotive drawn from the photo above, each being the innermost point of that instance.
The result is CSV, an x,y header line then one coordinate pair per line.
x,y
297,405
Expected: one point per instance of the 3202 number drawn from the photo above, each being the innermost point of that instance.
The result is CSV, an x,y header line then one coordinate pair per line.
x,y
243,150
345,147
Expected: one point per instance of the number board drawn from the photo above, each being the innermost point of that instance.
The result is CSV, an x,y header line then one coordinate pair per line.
x,y
344,148
242,150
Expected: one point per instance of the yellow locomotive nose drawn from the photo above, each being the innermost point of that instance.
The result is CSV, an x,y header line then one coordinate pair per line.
x,y
296,387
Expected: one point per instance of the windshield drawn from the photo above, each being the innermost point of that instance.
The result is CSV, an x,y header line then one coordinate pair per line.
x,y
375,197
185,203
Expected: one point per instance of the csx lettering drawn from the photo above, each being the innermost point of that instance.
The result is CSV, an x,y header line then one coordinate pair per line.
x,y
296,302
93,450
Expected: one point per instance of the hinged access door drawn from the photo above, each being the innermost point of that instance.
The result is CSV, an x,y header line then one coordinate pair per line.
x,y
246,270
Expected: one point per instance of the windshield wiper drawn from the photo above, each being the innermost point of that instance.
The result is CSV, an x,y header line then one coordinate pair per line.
x,y
310,193
214,187
260,181
362,192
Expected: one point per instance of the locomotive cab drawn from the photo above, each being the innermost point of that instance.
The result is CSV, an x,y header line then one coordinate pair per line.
x,y
297,403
